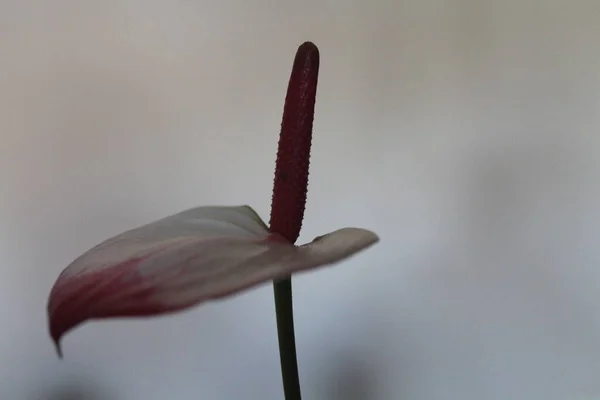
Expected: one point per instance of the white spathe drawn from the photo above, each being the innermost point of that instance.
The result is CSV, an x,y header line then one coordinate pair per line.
x,y
183,260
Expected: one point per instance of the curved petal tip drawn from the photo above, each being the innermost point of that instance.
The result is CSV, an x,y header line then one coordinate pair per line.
x,y
58,348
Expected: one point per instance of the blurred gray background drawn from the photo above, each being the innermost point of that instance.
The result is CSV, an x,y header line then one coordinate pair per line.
x,y
464,132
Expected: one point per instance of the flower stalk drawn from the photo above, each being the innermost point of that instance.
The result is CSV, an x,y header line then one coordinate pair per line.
x,y
289,195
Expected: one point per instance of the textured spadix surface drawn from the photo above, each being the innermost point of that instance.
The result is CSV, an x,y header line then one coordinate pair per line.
x,y
183,260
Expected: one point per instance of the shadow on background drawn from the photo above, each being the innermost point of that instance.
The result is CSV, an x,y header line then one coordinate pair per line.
x,y
349,376
77,390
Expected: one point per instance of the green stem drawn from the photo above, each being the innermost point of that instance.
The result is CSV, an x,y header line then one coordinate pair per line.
x,y
287,342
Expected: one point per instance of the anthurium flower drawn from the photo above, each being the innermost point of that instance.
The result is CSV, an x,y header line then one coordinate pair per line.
x,y
184,260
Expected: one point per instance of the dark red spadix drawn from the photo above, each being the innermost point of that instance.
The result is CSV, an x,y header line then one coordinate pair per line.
x,y
293,154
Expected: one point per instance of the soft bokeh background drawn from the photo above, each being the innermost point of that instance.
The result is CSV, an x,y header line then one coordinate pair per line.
x,y
464,132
